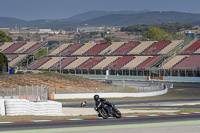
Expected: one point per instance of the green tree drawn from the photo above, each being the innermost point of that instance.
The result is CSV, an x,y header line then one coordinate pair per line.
x,y
108,39
4,37
157,34
3,61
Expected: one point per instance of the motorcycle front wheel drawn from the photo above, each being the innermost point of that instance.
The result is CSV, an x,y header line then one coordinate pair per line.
x,y
103,113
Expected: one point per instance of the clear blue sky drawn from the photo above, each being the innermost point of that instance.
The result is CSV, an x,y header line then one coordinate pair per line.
x,y
52,9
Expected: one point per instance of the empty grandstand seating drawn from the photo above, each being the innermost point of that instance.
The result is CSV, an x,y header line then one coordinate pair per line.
x,y
17,59
25,47
149,62
120,62
192,48
173,62
35,47
60,48
12,56
156,47
97,48
197,52
105,62
84,48
135,62
64,62
192,62
111,48
1,43
170,47
47,65
141,47
39,63
13,47
124,49
76,63
91,62
5,46
70,49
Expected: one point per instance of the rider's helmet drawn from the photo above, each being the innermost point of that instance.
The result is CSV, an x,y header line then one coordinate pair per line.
x,y
96,97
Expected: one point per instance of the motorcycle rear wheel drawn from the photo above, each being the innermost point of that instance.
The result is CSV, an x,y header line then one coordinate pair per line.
x,y
117,113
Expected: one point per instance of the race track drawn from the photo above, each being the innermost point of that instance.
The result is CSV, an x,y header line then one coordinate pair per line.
x,y
100,124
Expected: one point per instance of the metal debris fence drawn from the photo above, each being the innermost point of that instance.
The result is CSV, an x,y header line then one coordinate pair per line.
x,y
37,93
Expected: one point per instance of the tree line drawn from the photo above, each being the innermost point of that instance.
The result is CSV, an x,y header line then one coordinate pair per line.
x,y
168,27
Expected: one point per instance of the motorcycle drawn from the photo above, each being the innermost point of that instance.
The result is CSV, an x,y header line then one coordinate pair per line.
x,y
102,112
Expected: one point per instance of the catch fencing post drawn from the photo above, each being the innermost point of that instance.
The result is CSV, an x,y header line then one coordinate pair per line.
x,y
37,94
32,94
19,92
26,93
41,94
45,92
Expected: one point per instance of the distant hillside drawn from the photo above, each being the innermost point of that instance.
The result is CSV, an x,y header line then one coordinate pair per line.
x,y
7,22
98,13
145,18
107,18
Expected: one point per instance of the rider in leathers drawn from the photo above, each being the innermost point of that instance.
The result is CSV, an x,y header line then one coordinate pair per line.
x,y
104,102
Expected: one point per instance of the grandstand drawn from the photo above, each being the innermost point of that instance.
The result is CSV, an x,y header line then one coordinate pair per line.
x,y
90,63
113,47
156,47
140,48
137,57
97,48
125,48
18,52
71,48
84,49
192,62
191,49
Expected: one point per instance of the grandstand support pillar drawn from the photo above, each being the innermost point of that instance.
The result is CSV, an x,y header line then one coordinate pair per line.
x,y
185,73
27,64
193,72
143,72
170,72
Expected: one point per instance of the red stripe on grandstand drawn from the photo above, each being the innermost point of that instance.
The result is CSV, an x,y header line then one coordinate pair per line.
x,y
192,62
39,63
156,47
71,48
192,48
91,62
120,62
97,48
125,48
35,47
149,62
14,47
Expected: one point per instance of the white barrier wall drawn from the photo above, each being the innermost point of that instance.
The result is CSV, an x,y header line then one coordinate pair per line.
x,y
2,107
24,107
109,95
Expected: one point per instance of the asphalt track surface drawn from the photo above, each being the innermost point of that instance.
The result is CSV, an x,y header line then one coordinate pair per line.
x,y
128,103
96,122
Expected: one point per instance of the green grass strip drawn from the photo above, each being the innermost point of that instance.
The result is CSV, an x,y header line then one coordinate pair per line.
x,y
76,129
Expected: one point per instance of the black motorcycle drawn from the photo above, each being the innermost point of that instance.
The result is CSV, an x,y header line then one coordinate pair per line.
x,y
102,112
